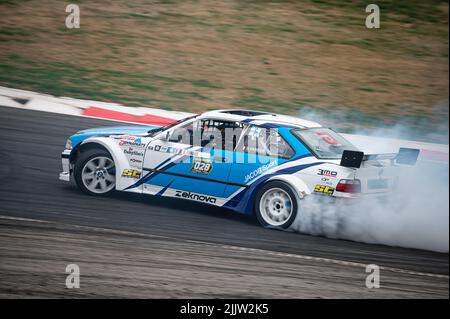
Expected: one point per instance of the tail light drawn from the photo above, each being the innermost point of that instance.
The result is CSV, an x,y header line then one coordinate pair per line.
x,y
349,186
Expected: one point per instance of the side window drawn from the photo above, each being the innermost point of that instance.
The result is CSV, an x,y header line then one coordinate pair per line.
x,y
283,149
266,142
218,134
183,134
209,133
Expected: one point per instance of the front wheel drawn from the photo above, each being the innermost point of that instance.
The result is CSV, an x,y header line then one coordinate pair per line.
x,y
276,205
95,172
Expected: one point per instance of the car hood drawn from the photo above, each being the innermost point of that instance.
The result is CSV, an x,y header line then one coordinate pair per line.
x,y
107,131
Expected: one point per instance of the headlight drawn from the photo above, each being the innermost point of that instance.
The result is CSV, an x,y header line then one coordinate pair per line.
x,y
68,144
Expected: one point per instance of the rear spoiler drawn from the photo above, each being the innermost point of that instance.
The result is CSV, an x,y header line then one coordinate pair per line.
x,y
405,156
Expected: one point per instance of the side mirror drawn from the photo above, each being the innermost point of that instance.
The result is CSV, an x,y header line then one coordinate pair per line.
x,y
165,137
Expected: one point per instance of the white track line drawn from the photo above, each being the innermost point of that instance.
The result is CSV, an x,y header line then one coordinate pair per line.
x,y
237,248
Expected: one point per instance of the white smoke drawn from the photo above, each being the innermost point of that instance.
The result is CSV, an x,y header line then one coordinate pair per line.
x,y
416,215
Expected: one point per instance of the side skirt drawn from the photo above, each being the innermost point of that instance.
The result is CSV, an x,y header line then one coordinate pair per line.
x,y
176,193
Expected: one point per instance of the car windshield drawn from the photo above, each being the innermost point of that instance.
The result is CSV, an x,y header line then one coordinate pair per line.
x,y
324,143
163,128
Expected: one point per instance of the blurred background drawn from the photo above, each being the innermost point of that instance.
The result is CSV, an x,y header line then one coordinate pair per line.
x,y
310,58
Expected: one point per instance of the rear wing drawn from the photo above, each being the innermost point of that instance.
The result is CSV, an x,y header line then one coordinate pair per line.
x,y
405,156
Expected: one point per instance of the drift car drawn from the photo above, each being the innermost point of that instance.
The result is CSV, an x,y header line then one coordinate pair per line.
x,y
269,165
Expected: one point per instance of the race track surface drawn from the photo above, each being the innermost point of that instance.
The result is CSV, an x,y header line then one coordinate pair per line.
x,y
229,255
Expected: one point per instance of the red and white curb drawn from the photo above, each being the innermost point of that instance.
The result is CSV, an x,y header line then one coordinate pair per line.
x,y
64,105
29,100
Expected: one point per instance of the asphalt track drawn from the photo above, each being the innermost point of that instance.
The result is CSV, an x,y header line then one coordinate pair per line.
x,y
30,147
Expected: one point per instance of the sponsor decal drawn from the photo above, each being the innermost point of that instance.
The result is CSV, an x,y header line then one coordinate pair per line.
x,y
323,189
132,173
136,143
197,197
124,137
135,160
327,138
259,171
201,166
132,151
165,149
178,151
326,172
172,150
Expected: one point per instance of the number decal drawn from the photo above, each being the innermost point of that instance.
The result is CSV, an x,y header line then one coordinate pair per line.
x,y
201,166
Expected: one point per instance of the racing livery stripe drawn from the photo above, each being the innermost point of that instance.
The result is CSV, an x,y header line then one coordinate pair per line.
x,y
193,177
243,201
162,191
156,170
147,176
171,158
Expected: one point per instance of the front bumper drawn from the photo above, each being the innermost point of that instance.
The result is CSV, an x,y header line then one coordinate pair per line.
x,y
67,169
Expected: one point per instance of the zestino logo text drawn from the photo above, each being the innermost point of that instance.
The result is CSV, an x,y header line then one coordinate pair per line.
x,y
197,197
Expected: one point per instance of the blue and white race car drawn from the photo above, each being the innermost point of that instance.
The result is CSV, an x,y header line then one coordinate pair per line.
x,y
247,161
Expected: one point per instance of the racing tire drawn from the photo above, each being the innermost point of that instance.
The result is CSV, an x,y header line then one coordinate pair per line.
x,y
95,172
276,205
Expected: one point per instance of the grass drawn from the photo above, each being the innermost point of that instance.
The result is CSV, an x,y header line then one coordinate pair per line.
x,y
279,56
185,95
71,80
404,11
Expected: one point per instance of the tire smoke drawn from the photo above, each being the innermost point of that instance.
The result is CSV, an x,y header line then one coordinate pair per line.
x,y
415,215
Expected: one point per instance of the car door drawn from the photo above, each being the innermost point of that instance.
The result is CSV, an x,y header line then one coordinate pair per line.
x,y
181,167
253,159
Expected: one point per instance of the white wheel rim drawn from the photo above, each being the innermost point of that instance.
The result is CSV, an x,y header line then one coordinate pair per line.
x,y
276,206
98,175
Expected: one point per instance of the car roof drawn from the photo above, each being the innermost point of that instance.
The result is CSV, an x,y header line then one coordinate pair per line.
x,y
259,118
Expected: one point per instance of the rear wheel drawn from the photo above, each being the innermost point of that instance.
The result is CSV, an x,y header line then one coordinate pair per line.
x,y
95,172
276,205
